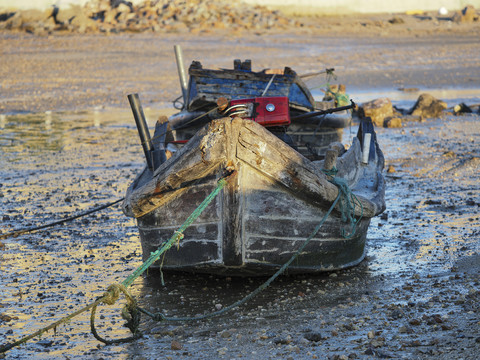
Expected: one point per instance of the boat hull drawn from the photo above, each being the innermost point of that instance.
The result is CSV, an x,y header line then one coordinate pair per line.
x,y
272,203
272,225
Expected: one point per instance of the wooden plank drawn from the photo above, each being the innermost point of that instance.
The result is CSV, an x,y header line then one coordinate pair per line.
x,y
191,252
238,75
286,166
176,211
232,210
199,158
322,255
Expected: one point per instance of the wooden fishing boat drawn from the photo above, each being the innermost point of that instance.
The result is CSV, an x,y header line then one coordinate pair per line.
x,y
206,87
274,198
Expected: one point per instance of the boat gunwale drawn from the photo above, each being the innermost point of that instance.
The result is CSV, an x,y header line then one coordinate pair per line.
x,y
194,148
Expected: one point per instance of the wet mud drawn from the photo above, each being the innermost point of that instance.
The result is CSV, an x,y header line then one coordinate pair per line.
x,y
415,296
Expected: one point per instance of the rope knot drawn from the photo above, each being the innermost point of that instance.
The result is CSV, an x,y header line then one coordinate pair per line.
x,y
332,172
113,293
346,206
178,236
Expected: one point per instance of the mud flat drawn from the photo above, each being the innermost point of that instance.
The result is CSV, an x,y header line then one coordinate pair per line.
x,y
68,144
64,71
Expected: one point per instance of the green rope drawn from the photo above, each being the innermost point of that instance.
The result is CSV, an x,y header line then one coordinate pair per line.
x,y
347,206
163,317
332,172
177,236
346,200
113,292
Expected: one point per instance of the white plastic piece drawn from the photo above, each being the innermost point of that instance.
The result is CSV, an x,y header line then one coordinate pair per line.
x,y
366,147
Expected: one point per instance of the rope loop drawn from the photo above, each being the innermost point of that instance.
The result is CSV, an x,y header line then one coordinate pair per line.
x,y
130,313
111,295
347,205
332,172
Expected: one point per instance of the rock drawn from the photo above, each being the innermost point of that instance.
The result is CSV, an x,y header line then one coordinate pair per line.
x,y
82,24
222,351
225,334
462,109
339,357
467,15
377,110
403,330
6,15
415,322
64,15
314,336
36,28
13,22
45,343
376,343
161,15
377,353
110,16
282,341
411,118
175,345
29,16
396,20
392,122
428,107
7,318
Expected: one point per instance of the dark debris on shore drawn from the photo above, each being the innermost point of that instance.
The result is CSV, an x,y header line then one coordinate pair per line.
x,y
113,16
201,16
384,114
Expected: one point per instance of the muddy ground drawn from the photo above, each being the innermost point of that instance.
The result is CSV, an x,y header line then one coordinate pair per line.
x,y
68,144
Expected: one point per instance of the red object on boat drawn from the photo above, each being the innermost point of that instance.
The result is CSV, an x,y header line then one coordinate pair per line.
x,y
267,111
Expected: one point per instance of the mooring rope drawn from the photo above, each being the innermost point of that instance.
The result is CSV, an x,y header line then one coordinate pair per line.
x,y
346,200
112,293
131,312
163,317
347,206
59,222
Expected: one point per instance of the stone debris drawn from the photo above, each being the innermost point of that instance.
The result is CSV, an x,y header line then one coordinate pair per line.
x,y
428,107
175,345
462,108
467,15
393,122
377,110
383,114
113,16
